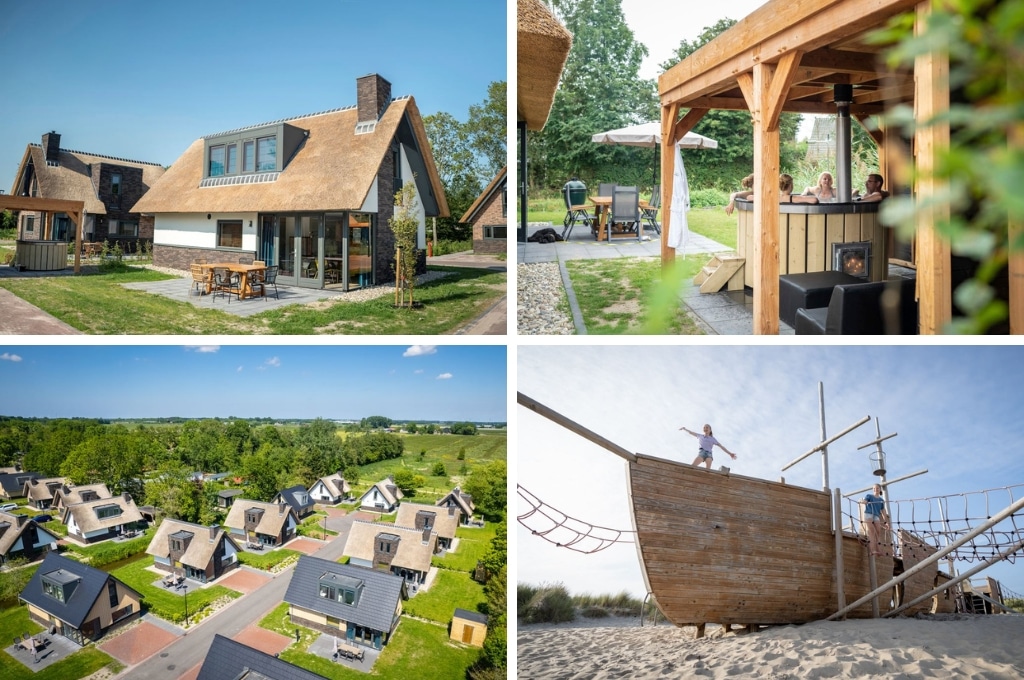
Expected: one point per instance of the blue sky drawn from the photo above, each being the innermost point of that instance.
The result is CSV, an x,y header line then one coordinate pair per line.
x,y
349,382
956,412
143,80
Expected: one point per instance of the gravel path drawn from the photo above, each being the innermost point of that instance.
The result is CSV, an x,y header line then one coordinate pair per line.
x,y
541,300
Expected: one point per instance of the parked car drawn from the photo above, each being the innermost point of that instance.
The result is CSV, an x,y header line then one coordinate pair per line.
x,y
42,518
8,506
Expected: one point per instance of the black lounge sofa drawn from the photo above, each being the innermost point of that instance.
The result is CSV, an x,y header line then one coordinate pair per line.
x,y
856,309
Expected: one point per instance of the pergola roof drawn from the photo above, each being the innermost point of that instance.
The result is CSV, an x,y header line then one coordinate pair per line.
x,y
830,37
543,47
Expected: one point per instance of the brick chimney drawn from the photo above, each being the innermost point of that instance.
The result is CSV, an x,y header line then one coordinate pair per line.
x,y
213,532
373,94
385,546
51,146
424,519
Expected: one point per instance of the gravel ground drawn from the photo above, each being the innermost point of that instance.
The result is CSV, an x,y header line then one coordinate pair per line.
x,y
361,295
540,299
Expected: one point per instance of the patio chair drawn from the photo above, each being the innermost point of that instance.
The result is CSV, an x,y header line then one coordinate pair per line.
x,y
575,195
200,279
650,213
269,279
625,210
605,189
226,282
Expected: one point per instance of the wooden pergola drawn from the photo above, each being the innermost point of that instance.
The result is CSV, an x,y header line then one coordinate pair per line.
x,y
75,211
786,57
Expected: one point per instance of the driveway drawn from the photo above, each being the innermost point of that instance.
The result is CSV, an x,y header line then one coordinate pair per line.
x,y
245,580
138,643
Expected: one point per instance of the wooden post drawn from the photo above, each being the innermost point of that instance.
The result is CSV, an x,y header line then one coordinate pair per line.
x,y
398,274
766,209
874,583
837,528
931,97
668,170
700,631
1015,233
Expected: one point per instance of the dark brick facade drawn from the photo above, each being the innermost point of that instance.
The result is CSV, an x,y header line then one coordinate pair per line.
x,y
182,257
372,96
384,247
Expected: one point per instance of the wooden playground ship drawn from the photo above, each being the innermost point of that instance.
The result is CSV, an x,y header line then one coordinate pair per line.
x,y
716,547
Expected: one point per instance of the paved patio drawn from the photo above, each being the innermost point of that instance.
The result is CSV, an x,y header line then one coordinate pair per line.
x,y
56,648
323,647
181,290
138,643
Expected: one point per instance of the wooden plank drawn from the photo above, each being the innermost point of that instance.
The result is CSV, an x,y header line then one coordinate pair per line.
x,y
816,243
837,231
797,243
784,259
668,169
931,76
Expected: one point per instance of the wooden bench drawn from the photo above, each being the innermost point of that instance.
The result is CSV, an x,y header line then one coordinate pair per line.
x,y
92,249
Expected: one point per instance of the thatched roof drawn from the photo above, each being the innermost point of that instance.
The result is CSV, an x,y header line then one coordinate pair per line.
x,y
70,495
88,521
543,46
462,500
445,524
272,522
481,201
12,531
37,490
387,488
336,484
334,169
412,553
200,549
70,180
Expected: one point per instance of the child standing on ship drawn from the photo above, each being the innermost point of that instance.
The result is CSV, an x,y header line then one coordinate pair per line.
x,y
706,442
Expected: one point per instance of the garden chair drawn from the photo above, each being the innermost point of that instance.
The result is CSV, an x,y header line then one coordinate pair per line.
x,y
625,209
605,189
269,279
200,279
650,213
575,195
226,282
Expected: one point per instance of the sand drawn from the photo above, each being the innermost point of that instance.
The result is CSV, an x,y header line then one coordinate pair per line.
x,y
942,646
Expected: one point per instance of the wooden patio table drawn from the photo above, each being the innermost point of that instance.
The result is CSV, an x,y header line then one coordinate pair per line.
x,y
602,205
350,650
244,290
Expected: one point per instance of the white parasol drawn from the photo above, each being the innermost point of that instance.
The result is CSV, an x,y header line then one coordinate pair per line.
x,y
649,135
678,230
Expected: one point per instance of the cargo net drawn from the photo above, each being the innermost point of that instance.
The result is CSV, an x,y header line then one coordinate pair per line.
x,y
943,520
558,528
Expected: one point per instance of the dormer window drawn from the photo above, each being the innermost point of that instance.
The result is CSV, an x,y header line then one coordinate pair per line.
x,y
107,511
266,154
248,156
60,584
338,588
87,496
216,168
115,184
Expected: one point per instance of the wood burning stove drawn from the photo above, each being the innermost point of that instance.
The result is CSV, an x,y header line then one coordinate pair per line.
x,y
852,258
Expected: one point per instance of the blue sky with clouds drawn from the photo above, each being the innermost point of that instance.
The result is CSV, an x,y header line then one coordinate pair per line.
x,y
338,382
956,412
143,80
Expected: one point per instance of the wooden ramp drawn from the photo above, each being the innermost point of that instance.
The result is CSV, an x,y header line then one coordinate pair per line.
x,y
724,270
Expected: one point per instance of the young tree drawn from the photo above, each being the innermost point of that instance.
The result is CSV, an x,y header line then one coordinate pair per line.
x,y
438,470
405,225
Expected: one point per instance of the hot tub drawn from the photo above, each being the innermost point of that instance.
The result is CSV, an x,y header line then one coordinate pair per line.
x,y
41,256
807,232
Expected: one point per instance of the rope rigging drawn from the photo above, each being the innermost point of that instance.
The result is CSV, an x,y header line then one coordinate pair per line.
x,y
564,531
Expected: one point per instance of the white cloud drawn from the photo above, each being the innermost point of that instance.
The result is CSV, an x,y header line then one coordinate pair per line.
x,y
445,376
239,369
418,371
420,350
203,349
273,362
10,357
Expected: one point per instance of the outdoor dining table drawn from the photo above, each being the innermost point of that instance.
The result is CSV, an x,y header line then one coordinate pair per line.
x,y
244,289
602,205
349,650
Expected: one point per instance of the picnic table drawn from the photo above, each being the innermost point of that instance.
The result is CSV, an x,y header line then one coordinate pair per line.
x,y
350,651
243,271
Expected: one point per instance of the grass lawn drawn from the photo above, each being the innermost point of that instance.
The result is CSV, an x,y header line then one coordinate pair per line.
x,y
480,450
169,604
626,295
417,650
98,304
450,590
267,561
79,665
473,543
313,526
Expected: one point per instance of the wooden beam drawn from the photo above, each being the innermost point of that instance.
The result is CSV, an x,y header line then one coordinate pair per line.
x,y
797,106
872,131
775,28
686,123
668,168
931,77
40,204
841,61
766,205
781,80
746,84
